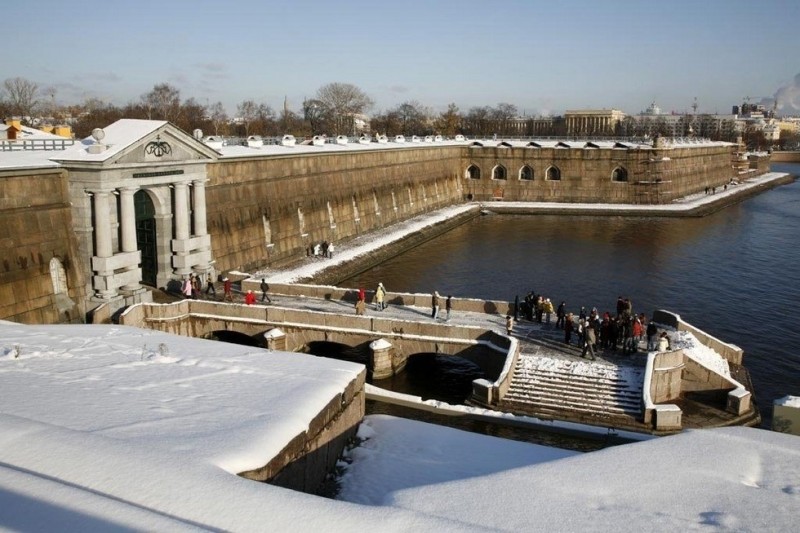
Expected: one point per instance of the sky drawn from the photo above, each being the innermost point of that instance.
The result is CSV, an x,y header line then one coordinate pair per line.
x,y
542,56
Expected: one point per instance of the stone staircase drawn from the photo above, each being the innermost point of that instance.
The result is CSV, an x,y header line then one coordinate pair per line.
x,y
551,381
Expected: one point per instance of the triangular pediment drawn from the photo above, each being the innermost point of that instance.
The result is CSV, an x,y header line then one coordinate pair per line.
x,y
137,142
166,145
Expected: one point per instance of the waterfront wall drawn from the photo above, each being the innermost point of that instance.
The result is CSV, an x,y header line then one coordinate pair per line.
x,y
786,157
270,210
594,175
41,270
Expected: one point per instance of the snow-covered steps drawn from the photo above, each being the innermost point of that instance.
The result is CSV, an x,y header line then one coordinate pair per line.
x,y
568,388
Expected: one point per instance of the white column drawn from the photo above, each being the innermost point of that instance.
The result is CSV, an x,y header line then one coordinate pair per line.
x,y
127,214
103,253
181,211
199,197
102,224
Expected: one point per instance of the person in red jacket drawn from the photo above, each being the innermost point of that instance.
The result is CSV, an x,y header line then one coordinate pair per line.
x,y
227,287
250,298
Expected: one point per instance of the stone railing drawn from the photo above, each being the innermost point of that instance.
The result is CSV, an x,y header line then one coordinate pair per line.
x,y
731,352
197,318
326,292
662,383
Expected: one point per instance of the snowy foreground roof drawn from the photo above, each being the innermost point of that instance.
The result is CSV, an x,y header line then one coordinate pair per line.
x,y
110,427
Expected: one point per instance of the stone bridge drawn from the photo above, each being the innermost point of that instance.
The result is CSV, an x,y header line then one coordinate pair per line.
x,y
391,341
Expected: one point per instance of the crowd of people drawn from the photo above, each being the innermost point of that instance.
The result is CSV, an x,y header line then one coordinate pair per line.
x,y
622,330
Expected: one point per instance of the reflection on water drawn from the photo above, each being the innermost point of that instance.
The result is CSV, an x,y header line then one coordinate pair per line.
x,y
733,273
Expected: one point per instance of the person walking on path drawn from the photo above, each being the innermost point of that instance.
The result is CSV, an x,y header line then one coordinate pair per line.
x,y
509,324
569,325
435,305
360,306
380,297
330,250
250,298
448,306
362,294
186,288
589,338
196,286
663,342
548,310
264,289
210,285
561,313
652,337
227,287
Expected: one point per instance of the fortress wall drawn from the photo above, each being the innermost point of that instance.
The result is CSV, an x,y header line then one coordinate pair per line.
x,y
37,226
268,211
586,174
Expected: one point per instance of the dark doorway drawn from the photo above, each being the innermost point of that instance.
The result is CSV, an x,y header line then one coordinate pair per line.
x,y
146,236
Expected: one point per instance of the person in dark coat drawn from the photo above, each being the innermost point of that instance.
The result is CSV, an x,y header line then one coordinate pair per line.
x,y
264,289
561,313
210,285
516,307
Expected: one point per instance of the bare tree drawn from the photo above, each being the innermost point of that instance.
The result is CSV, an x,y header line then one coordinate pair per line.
x,y
477,120
502,115
219,117
414,118
21,96
388,123
343,101
163,102
247,113
314,114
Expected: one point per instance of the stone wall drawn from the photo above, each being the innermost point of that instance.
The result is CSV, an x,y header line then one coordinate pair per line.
x,y
268,211
586,174
37,228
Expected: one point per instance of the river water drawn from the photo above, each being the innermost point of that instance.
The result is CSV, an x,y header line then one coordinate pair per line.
x,y
734,274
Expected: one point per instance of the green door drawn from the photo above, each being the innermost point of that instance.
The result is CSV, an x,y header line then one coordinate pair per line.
x,y
146,236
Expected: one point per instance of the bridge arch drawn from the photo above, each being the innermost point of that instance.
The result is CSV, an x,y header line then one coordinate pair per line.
x,y
236,337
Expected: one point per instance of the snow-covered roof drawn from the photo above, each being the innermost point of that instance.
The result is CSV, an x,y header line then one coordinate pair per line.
x,y
118,136
28,133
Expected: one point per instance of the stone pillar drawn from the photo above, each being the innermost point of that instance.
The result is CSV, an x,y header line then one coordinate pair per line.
x,y
381,359
127,215
102,224
199,197
181,211
127,219
101,261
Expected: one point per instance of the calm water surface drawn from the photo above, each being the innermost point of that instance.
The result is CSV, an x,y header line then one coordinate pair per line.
x,y
734,274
